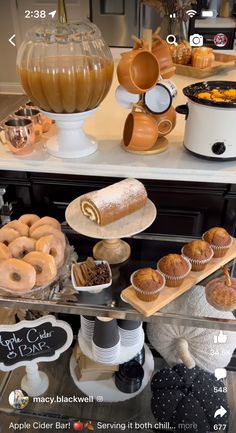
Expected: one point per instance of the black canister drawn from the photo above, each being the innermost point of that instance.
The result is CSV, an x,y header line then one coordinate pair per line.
x,y
140,357
129,377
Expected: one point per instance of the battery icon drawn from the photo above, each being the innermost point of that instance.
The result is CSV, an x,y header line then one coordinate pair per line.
x,y
207,14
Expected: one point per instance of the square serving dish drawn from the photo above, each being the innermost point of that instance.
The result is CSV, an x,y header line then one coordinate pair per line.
x,y
91,289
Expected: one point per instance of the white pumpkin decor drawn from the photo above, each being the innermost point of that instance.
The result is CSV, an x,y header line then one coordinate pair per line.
x,y
192,346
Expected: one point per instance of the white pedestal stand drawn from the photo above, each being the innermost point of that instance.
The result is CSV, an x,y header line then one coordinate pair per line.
x,y
107,388
71,141
111,248
35,382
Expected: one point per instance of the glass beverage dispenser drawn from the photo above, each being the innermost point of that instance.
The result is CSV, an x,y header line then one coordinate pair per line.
x,y
66,69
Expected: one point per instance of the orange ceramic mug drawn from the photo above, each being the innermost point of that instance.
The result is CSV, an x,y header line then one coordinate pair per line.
x,y
161,51
165,121
138,70
140,131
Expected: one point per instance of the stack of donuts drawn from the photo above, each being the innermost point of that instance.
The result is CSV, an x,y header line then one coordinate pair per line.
x,y
31,251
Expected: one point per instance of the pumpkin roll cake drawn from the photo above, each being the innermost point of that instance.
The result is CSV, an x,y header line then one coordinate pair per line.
x,y
114,202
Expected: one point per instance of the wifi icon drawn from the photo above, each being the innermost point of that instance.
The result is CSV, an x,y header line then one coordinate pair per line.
x,y
191,13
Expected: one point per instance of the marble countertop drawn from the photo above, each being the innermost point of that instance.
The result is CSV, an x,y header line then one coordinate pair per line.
x,y
106,125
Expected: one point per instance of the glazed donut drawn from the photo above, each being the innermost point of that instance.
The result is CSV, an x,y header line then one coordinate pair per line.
x,y
21,246
45,220
8,235
47,230
44,265
29,219
17,275
4,252
53,246
23,229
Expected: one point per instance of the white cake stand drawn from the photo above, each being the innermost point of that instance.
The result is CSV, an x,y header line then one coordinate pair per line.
x,y
111,248
71,140
107,388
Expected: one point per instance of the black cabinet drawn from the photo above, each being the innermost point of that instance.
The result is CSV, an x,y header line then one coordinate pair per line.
x,y
15,194
183,208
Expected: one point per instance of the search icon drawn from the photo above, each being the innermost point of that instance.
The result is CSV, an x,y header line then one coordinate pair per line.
x,y
171,39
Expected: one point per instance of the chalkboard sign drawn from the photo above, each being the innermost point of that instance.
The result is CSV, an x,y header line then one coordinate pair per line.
x,y
32,341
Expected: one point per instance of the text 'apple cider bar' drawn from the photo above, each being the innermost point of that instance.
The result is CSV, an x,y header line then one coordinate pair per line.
x,y
114,202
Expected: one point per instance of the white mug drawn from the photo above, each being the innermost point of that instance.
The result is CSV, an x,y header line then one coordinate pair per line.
x,y
170,86
126,99
158,99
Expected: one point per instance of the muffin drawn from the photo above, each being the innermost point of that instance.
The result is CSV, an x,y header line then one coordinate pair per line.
x,y
199,254
219,240
175,268
147,283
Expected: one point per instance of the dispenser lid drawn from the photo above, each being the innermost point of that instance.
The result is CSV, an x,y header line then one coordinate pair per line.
x,y
55,32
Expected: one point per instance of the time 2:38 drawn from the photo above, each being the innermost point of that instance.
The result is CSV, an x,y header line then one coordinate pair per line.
x,y
35,13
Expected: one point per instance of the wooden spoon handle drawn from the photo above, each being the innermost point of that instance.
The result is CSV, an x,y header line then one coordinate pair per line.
x,y
147,37
137,42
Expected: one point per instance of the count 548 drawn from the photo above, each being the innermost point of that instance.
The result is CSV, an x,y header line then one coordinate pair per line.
x,y
220,389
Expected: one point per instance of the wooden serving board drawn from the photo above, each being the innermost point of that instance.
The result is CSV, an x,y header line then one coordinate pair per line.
x,y
222,62
168,294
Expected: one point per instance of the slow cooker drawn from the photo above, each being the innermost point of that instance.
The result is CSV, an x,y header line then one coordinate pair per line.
x,y
210,130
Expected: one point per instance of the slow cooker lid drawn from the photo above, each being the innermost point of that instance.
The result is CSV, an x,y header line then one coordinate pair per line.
x,y
191,91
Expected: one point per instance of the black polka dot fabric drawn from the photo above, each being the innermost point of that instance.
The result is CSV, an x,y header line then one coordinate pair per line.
x,y
184,400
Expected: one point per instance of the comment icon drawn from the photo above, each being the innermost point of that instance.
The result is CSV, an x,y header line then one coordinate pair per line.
x,y
220,373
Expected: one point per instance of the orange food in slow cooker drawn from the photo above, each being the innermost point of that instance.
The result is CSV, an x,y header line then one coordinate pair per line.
x,y
217,95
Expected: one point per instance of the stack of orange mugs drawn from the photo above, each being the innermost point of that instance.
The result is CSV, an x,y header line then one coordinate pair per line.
x,y
145,88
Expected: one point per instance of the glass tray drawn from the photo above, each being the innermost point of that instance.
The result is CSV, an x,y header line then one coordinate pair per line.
x,y
146,250
43,292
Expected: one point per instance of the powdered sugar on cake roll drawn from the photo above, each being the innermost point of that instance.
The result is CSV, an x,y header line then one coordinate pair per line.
x,y
114,202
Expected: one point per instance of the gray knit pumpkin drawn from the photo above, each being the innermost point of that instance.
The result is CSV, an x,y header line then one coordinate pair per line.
x,y
192,346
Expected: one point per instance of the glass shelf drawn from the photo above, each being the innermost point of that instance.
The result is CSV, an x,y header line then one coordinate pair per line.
x,y
146,250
